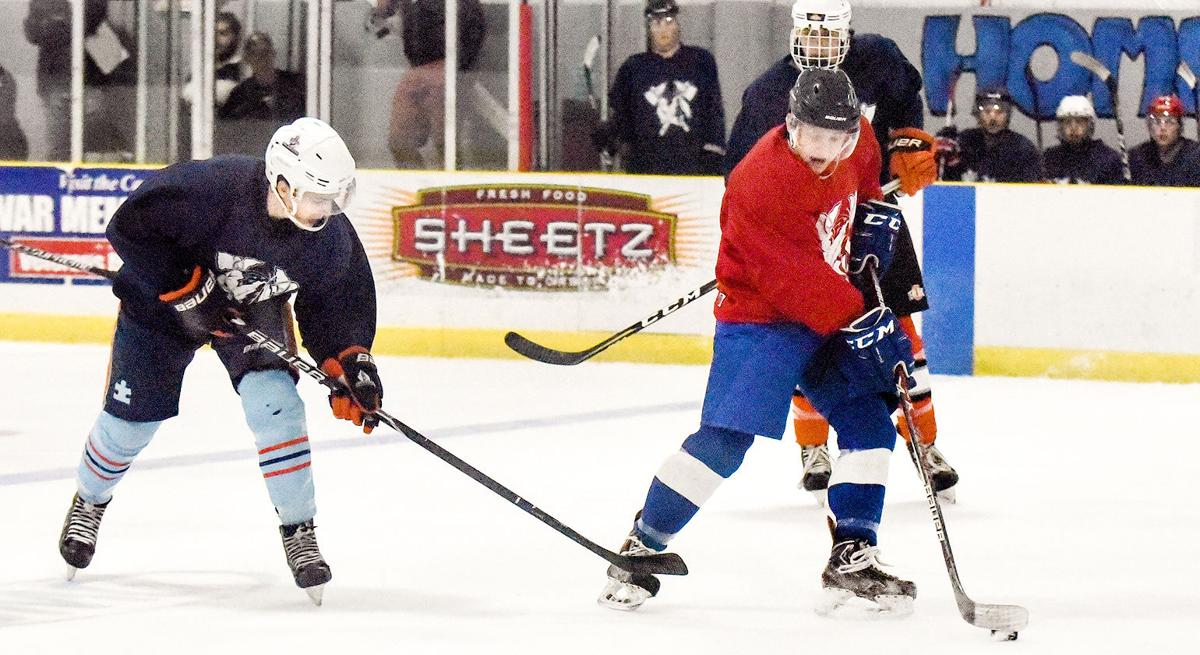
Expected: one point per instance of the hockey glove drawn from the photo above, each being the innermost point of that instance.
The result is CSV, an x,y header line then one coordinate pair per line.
x,y
603,139
877,346
362,393
203,309
873,240
911,152
948,152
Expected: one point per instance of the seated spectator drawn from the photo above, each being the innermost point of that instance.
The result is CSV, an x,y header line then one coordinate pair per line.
x,y
1168,158
13,146
990,152
229,67
665,104
416,128
110,75
1080,159
269,94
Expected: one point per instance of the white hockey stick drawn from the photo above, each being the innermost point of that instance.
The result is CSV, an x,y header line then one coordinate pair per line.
x,y
1104,75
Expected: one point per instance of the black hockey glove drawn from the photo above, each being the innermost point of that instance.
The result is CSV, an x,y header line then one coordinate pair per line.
x,y
877,346
203,308
603,139
362,392
873,239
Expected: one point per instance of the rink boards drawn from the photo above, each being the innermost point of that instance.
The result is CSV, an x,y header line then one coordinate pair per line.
x,y
1092,282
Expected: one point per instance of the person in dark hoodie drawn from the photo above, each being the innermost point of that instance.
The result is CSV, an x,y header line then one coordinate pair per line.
x,y
1168,158
1080,159
991,152
13,146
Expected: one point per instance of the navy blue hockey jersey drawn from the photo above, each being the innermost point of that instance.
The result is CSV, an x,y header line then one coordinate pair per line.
x,y
1150,170
668,110
1002,157
213,213
887,85
1090,162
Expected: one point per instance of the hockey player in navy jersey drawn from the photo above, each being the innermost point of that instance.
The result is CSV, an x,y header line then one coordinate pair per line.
x,y
888,87
991,152
665,104
1079,158
801,222
235,235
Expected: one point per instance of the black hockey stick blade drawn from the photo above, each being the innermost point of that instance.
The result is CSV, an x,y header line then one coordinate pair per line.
x,y
546,355
57,259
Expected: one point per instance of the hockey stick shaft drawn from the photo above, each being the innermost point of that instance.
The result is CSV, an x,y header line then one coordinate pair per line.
x,y
1189,78
1007,618
57,259
1102,73
524,346
663,563
1031,81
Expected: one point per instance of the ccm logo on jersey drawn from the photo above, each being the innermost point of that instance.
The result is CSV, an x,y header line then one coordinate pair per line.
x,y
210,283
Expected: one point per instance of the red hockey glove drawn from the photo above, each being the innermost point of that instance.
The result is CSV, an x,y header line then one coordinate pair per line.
x,y
362,393
203,308
912,159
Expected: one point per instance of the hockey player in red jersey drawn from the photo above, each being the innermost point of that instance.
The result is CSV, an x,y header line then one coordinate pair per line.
x,y
801,221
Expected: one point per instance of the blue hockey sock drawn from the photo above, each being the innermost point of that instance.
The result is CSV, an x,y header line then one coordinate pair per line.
x,y
687,479
110,449
275,415
859,479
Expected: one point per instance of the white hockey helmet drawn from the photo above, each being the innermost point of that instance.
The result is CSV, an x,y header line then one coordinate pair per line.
x,y
820,33
1075,106
309,155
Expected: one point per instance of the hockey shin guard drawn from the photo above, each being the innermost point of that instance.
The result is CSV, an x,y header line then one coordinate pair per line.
x,y
859,480
687,479
111,448
275,415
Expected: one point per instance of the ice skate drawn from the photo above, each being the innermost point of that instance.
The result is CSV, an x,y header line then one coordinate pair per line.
x,y
817,467
856,587
77,543
627,591
308,566
942,476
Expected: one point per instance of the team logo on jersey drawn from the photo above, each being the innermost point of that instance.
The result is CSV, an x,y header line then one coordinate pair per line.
x,y
672,102
532,236
833,229
248,280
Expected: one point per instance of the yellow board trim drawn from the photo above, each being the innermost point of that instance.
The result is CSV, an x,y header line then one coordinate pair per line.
x,y
657,349
1086,364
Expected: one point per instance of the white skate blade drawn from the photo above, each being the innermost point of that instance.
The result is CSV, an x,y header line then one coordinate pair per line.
x,y
948,496
841,604
315,593
71,571
822,497
622,596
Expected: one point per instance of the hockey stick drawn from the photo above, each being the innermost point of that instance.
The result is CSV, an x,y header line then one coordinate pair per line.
x,y
661,563
1031,81
950,128
546,355
1004,621
1189,78
1098,69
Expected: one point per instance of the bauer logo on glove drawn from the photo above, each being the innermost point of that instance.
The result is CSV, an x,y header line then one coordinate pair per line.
x,y
362,393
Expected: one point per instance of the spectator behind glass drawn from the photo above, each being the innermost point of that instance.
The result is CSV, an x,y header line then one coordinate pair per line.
x,y
416,128
665,104
110,74
13,146
1168,158
1080,159
229,67
269,93
990,152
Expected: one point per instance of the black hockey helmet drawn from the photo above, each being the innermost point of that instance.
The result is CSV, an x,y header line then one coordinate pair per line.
x,y
661,8
992,96
825,98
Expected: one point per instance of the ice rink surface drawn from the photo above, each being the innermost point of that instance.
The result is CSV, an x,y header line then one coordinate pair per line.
x,y
1077,500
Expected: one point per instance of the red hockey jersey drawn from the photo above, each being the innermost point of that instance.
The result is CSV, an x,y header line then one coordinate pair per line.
x,y
785,236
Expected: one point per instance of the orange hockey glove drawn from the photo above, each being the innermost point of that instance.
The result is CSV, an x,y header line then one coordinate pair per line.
x,y
912,160
362,394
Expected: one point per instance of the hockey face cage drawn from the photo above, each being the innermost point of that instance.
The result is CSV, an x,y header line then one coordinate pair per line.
x,y
820,33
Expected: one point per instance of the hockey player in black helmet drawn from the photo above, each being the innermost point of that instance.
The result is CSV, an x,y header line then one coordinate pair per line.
x,y
665,110
991,152
804,207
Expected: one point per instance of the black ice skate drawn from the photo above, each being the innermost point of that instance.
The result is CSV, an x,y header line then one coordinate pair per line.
x,y
817,467
856,587
77,543
627,591
942,476
304,558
